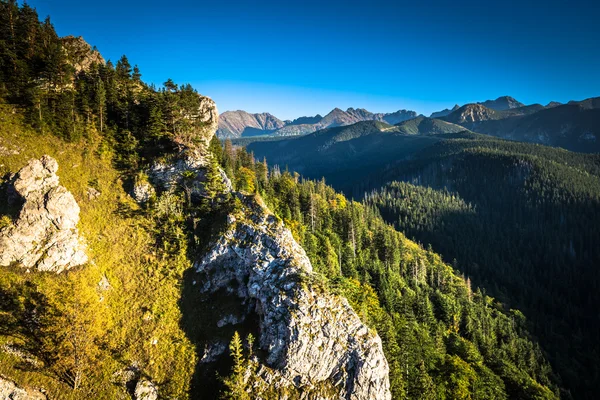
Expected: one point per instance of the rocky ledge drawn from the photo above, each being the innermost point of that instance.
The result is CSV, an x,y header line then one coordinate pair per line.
x,y
44,236
310,337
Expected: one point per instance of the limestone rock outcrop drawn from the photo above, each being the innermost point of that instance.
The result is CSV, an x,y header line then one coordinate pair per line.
x,y
44,236
310,337
9,390
208,117
80,54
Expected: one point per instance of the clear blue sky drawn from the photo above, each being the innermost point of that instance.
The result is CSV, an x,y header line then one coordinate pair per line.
x,y
294,58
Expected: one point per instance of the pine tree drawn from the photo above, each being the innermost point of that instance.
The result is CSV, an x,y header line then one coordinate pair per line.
x,y
235,385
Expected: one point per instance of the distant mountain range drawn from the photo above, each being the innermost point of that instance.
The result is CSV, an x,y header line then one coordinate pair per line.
x,y
574,126
235,124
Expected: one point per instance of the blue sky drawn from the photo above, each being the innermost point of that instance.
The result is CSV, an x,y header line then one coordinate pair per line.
x,y
301,58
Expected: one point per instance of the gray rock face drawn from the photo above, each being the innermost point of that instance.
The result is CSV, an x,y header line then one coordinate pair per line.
x,y
208,118
166,176
45,234
10,391
310,336
145,390
142,192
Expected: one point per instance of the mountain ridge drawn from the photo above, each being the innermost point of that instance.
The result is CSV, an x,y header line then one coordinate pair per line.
x,y
234,124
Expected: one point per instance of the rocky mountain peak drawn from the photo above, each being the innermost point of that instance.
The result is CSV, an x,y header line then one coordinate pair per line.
x,y
471,113
502,103
44,235
80,53
239,123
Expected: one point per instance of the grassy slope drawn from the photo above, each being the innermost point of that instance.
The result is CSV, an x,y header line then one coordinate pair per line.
x,y
122,247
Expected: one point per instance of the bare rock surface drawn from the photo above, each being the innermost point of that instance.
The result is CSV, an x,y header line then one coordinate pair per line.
x,y
145,390
44,236
310,337
10,391
81,55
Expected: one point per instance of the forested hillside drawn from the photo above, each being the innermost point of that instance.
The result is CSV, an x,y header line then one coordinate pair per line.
x,y
521,220
443,337
131,317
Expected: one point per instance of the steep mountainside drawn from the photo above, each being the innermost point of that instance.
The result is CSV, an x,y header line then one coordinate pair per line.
x,y
516,213
427,126
472,114
359,148
240,123
574,126
528,214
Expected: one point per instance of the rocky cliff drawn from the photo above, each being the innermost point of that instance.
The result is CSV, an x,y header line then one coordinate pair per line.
x,y
44,235
309,338
80,54
472,113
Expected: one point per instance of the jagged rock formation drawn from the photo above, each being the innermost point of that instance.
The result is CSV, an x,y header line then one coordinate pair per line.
x,y
44,235
80,53
206,120
10,391
471,113
310,337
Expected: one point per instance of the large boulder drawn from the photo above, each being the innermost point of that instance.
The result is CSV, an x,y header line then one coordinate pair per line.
x,y
44,236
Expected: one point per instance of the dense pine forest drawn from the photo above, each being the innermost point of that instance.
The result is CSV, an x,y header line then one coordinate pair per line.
x,y
520,220
443,336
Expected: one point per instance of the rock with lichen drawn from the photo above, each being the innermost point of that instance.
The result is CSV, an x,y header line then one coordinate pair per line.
x,y
44,235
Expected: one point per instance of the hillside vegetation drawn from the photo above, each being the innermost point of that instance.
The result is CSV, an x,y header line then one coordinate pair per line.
x,y
522,221
519,219
442,337
135,313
